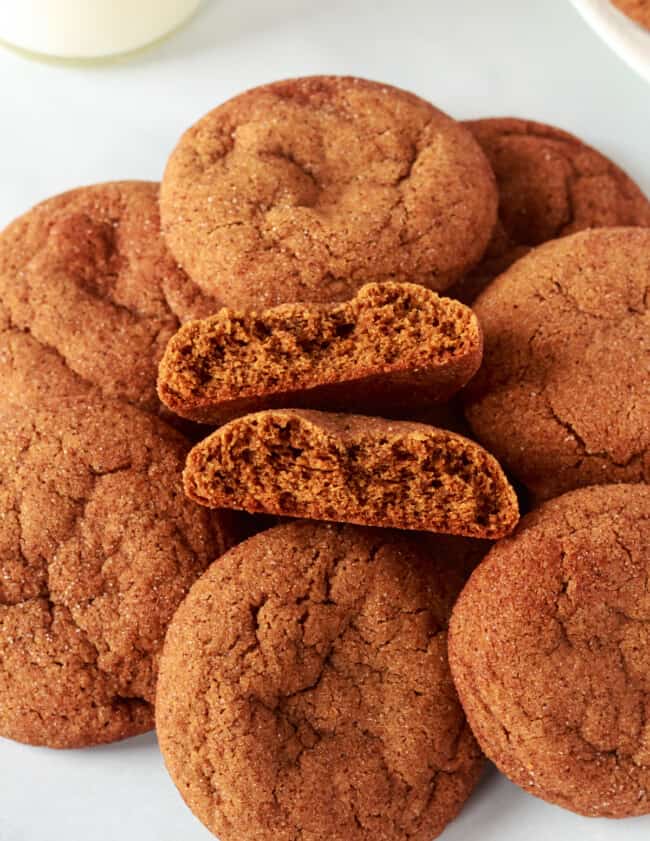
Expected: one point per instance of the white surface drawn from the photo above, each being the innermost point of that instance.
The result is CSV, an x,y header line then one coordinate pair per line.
x,y
63,126
629,40
88,28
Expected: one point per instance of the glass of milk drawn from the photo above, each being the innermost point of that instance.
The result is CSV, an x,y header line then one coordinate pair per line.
x,y
86,29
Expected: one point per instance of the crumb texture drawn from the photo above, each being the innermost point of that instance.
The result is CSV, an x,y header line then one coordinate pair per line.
x,y
354,469
550,652
306,189
97,549
88,275
304,684
551,184
563,395
393,345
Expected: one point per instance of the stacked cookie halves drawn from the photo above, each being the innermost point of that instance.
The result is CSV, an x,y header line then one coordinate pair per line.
x,y
290,302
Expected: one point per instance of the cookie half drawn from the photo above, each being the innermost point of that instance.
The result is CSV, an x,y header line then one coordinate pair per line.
x,y
98,546
304,685
87,273
305,189
550,651
563,395
551,184
394,346
349,468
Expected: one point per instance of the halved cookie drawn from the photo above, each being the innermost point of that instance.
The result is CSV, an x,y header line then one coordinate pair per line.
x,y
350,468
393,346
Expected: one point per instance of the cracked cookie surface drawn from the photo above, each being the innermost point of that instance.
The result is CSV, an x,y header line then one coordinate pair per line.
x,y
550,184
563,395
88,275
305,693
97,548
549,646
304,190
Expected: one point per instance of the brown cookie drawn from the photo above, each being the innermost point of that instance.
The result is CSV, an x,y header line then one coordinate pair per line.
x,y
97,548
304,190
638,10
550,651
393,347
304,688
355,469
563,395
87,273
550,184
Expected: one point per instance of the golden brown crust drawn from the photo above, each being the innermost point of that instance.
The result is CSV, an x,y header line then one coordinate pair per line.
x,y
304,685
562,396
304,190
87,274
550,651
551,184
394,348
350,468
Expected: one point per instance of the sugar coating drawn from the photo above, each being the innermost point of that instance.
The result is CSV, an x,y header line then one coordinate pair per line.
x,y
563,395
304,687
87,274
304,190
551,184
550,651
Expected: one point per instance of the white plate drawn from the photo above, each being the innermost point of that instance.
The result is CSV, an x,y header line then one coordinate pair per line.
x,y
629,40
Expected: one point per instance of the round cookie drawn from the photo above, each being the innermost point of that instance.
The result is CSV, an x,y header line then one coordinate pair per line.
x,y
304,689
88,274
549,647
97,548
562,398
638,10
304,190
550,184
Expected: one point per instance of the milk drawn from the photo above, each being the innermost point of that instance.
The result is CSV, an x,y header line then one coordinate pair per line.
x,y
89,28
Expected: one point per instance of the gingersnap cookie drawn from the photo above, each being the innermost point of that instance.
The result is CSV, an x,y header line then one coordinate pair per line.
x,y
550,184
637,10
354,469
304,190
304,688
87,273
98,546
550,651
393,346
562,397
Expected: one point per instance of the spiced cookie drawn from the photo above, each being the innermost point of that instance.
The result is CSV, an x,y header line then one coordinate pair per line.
x,y
304,190
355,469
550,184
304,685
394,347
88,274
550,652
97,548
637,10
563,395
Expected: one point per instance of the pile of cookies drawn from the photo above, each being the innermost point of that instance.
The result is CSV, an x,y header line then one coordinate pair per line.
x,y
318,607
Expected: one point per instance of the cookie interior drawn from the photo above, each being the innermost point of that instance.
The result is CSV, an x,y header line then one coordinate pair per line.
x,y
387,328
353,469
